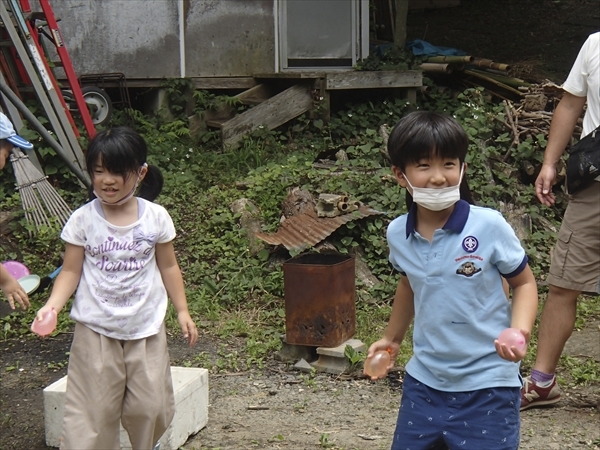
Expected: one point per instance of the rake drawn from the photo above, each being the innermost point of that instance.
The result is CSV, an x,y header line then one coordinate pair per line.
x,y
40,200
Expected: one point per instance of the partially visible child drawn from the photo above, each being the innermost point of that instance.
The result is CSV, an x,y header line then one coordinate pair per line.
x,y
120,258
11,288
461,388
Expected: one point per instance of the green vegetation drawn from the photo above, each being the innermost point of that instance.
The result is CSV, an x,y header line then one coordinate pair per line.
x,y
236,296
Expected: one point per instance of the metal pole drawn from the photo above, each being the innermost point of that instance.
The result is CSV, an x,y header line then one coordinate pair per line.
x,y
30,117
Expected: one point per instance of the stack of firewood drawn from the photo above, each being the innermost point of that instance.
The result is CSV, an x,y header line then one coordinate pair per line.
x,y
531,117
494,76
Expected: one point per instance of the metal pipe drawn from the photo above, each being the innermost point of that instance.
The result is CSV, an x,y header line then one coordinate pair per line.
x,y
37,126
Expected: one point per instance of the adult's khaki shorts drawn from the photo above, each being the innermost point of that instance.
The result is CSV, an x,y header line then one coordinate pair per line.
x,y
575,262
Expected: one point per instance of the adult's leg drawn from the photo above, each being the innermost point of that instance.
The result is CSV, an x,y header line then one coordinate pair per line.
x,y
575,268
556,325
95,387
149,403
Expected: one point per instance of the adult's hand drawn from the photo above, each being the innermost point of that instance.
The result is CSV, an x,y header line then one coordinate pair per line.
x,y
544,183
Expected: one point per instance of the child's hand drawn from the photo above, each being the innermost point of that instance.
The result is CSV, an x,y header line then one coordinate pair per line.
x,y
14,293
513,353
42,311
386,345
190,332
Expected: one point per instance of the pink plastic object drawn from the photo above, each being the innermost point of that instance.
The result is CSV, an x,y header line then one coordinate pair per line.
x,y
376,366
16,269
513,338
45,326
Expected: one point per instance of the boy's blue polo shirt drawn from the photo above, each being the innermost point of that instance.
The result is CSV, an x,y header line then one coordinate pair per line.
x,y
460,306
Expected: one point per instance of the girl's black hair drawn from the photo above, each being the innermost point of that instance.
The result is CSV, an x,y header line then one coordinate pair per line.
x,y
123,151
426,134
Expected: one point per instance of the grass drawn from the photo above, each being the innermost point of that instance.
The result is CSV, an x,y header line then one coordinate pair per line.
x,y
236,295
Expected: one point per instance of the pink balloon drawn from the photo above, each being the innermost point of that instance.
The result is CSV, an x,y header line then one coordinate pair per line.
x,y
45,326
376,366
16,269
512,337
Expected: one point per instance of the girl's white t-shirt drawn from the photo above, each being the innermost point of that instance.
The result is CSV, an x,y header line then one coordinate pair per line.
x,y
121,293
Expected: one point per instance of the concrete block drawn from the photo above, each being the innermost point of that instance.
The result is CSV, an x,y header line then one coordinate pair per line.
x,y
54,410
191,409
338,351
330,364
333,360
303,366
290,352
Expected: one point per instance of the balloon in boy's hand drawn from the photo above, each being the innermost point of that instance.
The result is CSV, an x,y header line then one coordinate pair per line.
x,y
376,365
512,337
45,326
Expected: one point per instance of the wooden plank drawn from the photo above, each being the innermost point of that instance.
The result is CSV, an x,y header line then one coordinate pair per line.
x,y
432,4
223,82
300,75
198,82
374,79
215,123
255,95
272,113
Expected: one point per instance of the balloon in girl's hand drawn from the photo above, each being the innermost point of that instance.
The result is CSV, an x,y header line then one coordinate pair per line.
x,y
376,365
512,337
45,326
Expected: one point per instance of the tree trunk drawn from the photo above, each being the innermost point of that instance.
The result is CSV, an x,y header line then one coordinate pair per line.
x,y
400,23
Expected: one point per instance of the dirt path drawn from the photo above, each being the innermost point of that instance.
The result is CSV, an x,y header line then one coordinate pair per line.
x,y
298,411
349,412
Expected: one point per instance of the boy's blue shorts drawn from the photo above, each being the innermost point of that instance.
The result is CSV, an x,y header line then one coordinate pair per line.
x,y
434,420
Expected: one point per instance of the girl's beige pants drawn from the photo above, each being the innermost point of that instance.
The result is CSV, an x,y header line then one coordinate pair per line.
x,y
112,381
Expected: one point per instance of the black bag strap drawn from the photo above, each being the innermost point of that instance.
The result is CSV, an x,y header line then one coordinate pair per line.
x,y
581,145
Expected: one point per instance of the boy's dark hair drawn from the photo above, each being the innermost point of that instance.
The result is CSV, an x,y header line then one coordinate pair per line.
x,y
123,151
425,134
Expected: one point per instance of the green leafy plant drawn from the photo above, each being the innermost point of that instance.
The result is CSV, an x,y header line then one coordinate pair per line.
x,y
178,91
355,358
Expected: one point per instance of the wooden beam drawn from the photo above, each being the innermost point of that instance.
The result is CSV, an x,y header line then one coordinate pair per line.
x,y
198,82
374,79
432,4
300,75
272,113
224,82
255,95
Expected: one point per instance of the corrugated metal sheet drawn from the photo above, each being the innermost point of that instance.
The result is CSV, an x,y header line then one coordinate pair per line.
x,y
303,231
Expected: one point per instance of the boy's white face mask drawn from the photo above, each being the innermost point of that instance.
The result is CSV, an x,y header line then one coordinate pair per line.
x,y
436,199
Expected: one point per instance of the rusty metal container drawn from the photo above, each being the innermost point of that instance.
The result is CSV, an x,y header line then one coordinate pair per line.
x,y
319,299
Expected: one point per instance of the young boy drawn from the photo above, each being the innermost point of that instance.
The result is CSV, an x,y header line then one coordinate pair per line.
x,y
8,139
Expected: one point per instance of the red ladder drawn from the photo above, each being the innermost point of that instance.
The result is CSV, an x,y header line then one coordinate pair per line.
x,y
50,19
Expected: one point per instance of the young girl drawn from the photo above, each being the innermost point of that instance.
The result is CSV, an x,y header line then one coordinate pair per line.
x,y
119,255
461,388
